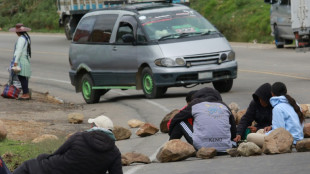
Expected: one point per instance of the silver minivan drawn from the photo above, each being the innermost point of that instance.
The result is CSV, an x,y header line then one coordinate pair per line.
x,y
148,46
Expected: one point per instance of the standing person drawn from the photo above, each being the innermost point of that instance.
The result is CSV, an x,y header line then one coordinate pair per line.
x,y
285,113
22,54
259,110
214,125
92,152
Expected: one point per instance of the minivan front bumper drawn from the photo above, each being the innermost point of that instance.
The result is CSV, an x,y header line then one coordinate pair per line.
x,y
177,77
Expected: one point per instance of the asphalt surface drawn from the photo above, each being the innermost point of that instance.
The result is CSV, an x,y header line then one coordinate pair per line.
x,y
257,64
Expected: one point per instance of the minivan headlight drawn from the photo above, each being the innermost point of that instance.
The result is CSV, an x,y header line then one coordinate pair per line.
x,y
168,62
231,55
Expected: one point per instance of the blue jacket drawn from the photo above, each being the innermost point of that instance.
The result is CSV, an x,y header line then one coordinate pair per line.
x,y
284,115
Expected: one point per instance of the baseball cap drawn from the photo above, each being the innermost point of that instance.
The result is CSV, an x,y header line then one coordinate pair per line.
x,y
102,121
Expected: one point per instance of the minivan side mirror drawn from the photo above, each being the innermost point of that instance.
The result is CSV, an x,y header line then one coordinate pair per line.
x,y
271,1
128,38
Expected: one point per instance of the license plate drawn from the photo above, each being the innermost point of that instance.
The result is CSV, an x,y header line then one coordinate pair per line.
x,y
205,75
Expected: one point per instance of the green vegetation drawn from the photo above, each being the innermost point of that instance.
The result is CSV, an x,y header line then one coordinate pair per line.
x,y
40,15
238,20
18,152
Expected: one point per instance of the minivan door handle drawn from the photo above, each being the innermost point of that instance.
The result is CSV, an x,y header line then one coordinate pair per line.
x,y
114,48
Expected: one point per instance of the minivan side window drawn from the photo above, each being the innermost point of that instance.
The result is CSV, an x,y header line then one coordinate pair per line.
x,y
103,28
285,2
84,29
124,28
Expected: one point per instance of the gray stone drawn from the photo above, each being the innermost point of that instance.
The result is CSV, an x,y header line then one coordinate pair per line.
x,y
134,157
75,118
307,130
45,137
206,153
134,123
175,150
121,133
163,123
305,110
233,152
278,141
303,145
146,130
249,149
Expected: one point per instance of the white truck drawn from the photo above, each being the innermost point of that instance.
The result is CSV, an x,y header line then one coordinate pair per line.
x,y
71,11
290,20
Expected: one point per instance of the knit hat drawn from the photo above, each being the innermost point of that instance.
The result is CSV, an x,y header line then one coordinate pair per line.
x,y
102,121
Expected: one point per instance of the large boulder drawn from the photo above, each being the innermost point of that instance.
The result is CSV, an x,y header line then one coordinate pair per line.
x,y
3,131
45,137
233,152
303,145
239,115
206,153
134,123
75,118
146,130
134,157
305,110
249,149
278,141
175,150
163,123
307,130
121,133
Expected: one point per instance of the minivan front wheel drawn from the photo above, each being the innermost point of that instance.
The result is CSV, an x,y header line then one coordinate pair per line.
x,y
223,85
150,89
89,94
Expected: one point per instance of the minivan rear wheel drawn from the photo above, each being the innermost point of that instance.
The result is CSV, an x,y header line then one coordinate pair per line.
x,y
89,94
150,89
223,85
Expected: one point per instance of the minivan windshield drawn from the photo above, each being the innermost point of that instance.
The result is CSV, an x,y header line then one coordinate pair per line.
x,y
175,24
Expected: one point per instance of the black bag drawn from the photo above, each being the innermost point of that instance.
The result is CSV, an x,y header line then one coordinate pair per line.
x,y
3,168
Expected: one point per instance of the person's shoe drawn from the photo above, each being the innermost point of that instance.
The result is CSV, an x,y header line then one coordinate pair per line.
x,y
24,97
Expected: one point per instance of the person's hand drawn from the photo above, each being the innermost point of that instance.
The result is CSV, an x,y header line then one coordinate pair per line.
x,y
237,139
253,129
267,129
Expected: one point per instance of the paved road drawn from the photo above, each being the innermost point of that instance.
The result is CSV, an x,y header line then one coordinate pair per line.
x,y
257,64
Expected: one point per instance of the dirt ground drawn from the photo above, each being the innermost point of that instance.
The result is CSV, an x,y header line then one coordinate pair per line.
x,y
43,114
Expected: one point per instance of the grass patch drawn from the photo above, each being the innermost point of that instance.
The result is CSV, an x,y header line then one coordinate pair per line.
x,y
15,153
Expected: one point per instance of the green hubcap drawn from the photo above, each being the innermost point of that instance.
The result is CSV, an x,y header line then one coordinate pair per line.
x,y
148,84
86,87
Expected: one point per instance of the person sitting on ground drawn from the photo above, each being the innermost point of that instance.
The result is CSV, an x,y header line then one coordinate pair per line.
x,y
259,110
214,125
285,113
180,133
92,152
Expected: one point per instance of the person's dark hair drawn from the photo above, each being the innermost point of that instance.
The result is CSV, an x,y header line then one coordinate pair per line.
x,y
278,89
189,96
25,34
